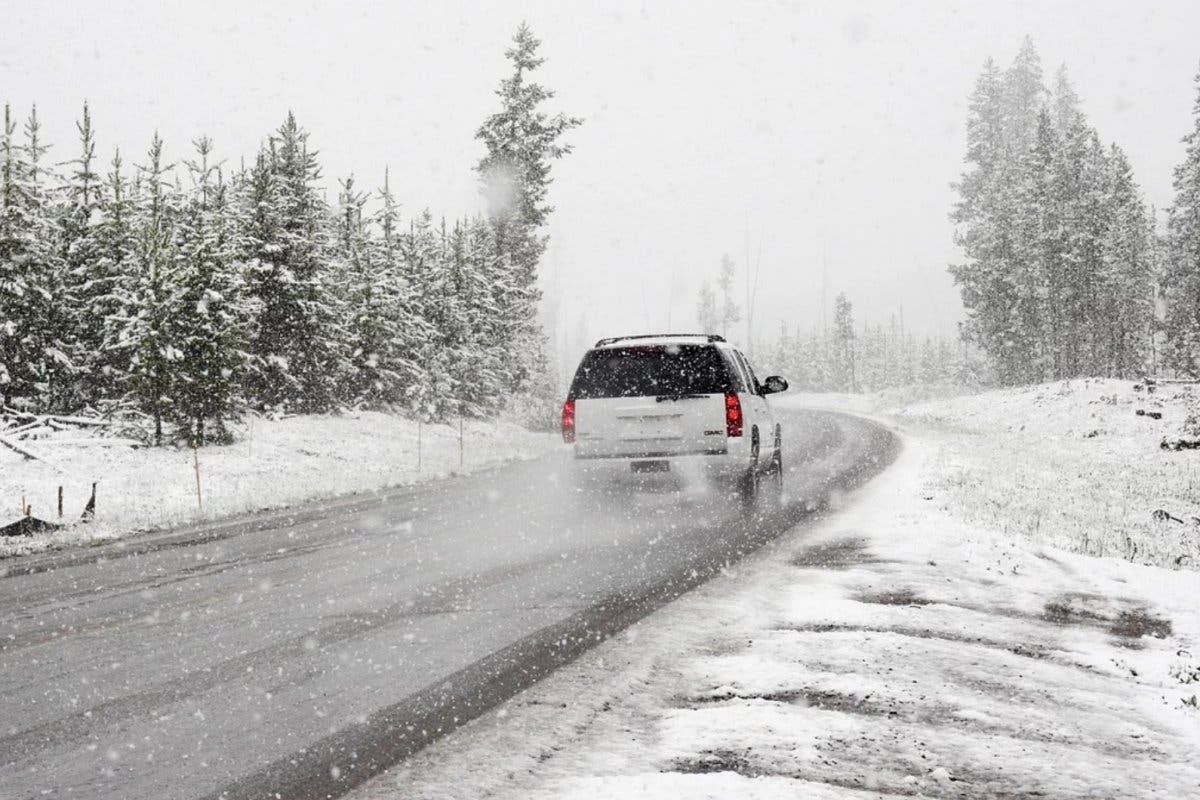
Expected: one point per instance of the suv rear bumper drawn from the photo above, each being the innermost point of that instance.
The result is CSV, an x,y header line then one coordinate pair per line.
x,y
716,466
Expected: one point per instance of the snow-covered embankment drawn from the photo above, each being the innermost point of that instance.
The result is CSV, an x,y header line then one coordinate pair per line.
x,y
274,463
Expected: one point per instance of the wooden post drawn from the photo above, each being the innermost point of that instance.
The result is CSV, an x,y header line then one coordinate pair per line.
x,y
196,464
418,444
460,440
60,502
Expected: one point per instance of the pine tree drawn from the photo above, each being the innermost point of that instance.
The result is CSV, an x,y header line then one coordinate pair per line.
x,y
1037,268
1065,102
985,229
522,142
1054,235
437,394
367,328
18,337
211,323
146,332
106,287
843,337
929,370
479,366
1182,257
1127,315
409,329
35,364
80,252
1023,96
299,355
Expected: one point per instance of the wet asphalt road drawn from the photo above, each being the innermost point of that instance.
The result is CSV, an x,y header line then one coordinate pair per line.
x,y
298,653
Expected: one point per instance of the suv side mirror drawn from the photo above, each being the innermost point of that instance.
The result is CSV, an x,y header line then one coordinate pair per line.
x,y
774,384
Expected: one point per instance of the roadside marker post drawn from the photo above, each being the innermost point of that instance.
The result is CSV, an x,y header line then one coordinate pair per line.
x,y
196,464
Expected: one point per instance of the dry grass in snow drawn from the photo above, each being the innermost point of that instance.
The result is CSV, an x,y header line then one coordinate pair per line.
x,y
1074,465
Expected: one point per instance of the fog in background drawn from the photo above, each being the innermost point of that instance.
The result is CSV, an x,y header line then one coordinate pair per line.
x,y
824,135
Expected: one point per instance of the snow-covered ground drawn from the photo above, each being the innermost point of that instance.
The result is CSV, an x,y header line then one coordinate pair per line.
x,y
274,463
1075,465
909,644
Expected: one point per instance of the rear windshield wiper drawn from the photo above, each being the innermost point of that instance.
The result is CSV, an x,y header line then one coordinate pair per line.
x,y
662,398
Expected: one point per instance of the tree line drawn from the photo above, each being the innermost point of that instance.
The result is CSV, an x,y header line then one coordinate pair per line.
x,y
191,292
846,357
849,357
1065,272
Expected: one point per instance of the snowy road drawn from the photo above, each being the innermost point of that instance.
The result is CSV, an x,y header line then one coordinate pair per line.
x,y
302,652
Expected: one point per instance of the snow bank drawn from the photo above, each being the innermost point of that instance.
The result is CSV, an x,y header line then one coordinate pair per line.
x,y
273,464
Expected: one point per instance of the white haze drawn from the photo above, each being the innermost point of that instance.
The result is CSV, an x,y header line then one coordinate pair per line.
x,y
825,134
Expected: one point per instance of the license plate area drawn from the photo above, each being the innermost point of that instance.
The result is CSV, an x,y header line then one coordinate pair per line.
x,y
658,465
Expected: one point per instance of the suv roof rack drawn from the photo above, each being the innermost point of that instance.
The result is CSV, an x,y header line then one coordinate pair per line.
x,y
712,337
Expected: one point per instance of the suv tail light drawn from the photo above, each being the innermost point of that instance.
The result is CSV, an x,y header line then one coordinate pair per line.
x,y
733,415
568,420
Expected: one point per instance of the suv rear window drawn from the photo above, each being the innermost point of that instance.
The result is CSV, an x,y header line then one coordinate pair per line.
x,y
651,371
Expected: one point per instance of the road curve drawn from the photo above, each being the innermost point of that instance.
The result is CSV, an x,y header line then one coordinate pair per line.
x,y
298,653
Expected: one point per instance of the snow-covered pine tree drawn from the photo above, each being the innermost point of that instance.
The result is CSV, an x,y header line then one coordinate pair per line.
x,y
872,357
407,328
1042,312
843,338
18,342
35,364
1023,94
1127,311
1073,219
212,319
1036,219
1040,186
379,320
370,376
1182,257
107,289
149,300
487,294
55,307
985,230
79,218
522,141
299,347
929,370
426,270
1093,218
479,364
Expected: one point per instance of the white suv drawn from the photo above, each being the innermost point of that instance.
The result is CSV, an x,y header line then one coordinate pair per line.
x,y
680,403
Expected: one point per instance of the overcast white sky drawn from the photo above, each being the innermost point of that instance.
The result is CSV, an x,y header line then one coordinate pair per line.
x,y
826,131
